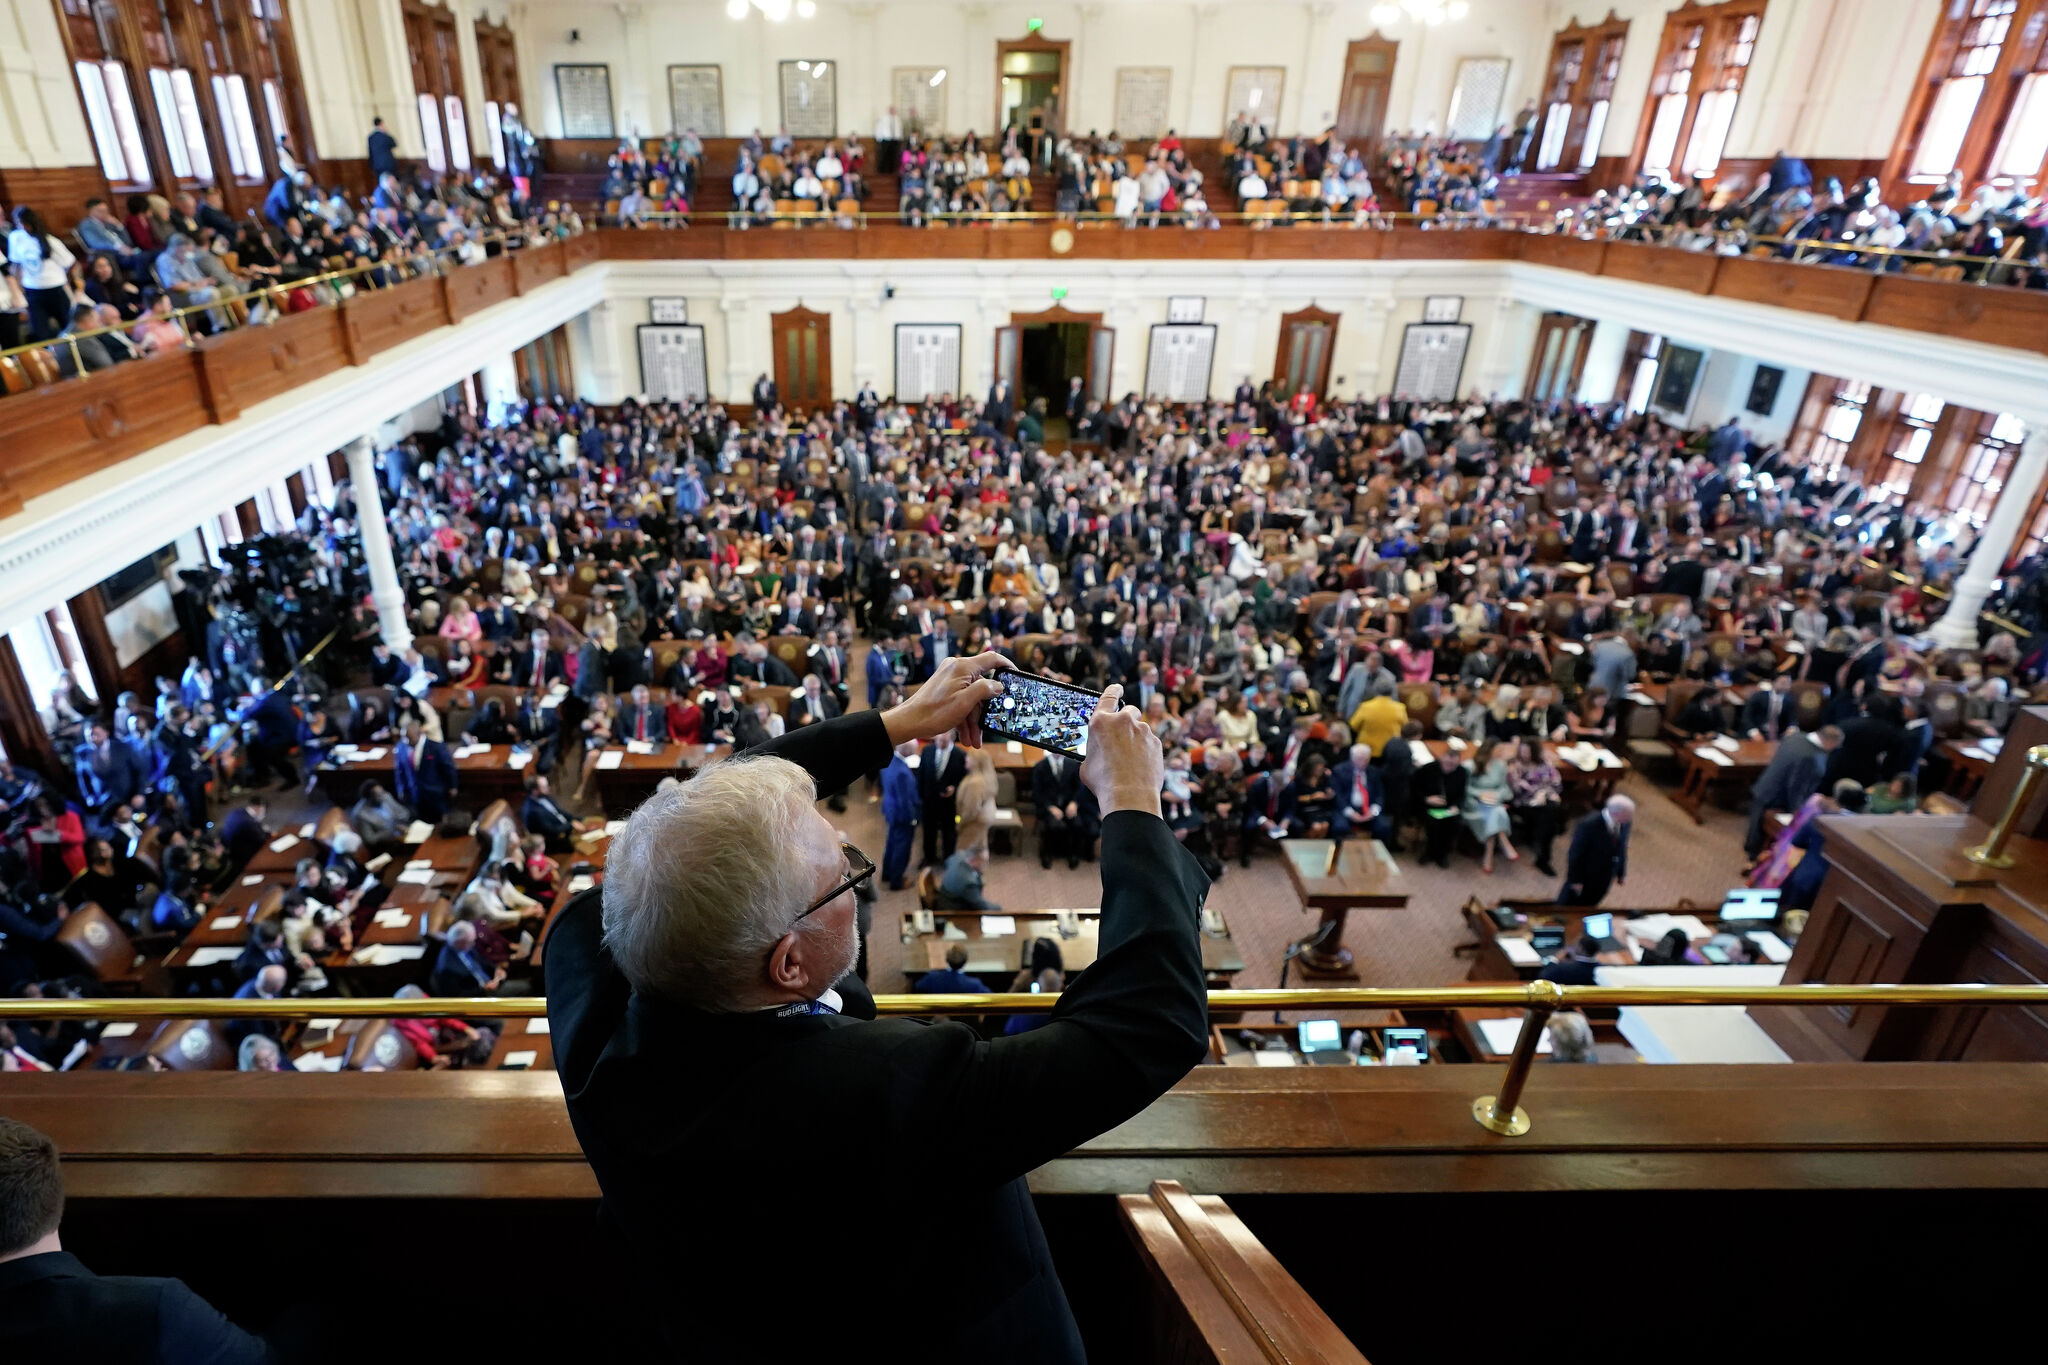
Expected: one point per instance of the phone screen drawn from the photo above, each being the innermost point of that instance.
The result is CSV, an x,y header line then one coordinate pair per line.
x,y
1052,715
1598,926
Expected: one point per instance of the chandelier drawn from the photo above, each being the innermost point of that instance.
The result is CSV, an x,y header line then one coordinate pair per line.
x,y
774,11
1431,12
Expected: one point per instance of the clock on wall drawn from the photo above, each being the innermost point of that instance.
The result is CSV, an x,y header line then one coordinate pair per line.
x,y
1062,240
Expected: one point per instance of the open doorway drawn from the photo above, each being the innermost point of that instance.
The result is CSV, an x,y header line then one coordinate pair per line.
x,y
1042,354
1031,76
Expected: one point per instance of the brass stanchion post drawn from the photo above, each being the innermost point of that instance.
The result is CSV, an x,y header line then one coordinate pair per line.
x,y
1991,853
1503,1113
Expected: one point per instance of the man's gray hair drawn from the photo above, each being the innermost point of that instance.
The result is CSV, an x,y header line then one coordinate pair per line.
x,y
254,1045
706,877
1571,1037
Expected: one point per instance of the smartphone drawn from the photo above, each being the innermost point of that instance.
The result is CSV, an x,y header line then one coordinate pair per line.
x,y
1035,710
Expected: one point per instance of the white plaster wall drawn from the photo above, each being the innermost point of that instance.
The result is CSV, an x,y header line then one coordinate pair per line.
x,y
42,122
1723,392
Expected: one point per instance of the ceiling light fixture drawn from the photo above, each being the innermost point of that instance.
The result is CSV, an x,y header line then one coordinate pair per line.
x,y
1430,12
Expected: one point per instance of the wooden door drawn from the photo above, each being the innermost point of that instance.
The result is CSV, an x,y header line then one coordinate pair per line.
x,y
1559,359
1101,356
1307,340
1010,358
803,358
1368,76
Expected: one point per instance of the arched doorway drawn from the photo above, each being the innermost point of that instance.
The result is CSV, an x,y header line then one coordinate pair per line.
x,y
802,342
1041,354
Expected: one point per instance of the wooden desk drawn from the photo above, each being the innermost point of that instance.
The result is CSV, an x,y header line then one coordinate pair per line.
x,y
1335,879
1746,762
997,958
488,775
1968,764
518,1036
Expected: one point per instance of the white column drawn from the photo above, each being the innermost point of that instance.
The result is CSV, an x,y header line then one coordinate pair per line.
x,y
500,386
1957,628
872,361
739,350
385,593
1371,322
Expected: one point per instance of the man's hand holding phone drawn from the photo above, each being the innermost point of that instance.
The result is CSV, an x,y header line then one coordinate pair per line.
x,y
1125,767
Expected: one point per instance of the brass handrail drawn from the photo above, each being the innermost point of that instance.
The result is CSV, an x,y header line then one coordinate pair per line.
x,y
825,214
1809,243
264,291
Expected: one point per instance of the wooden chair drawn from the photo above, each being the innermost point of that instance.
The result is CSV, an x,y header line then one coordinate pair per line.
x,y
663,655
41,367
102,947
499,811
793,651
1722,648
928,888
1421,700
329,825
13,378
381,1046
194,1045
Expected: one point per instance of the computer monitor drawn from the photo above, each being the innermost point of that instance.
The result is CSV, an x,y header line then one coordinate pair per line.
x,y
1754,904
1546,941
1321,1035
1414,1040
1598,926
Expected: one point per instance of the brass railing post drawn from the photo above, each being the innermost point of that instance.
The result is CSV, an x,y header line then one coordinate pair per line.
x,y
1502,1113
1991,853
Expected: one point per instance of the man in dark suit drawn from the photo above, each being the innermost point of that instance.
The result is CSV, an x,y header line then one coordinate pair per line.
x,y
543,815
766,395
276,730
242,832
1792,775
673,1065
423,773
535,667
107,772
940,769
53,1308
811,703
1065,811
1361,800
460,969
266,949
1768,712
1598,858
640,719
1001,407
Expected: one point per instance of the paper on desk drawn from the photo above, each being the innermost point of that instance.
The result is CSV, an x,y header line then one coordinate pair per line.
x,y
120,1028
306,830
387,954
1005,817
1501,1036
614,828
1519,951
1726,744
637,746
223,923
1650,928
1775,948
1272,1057
520,1059
995,926
209,957
395,918
1639,698
411,863
537,1026
581,882
1712,755
418,877
253,879
283,842
317,1061
1607,759
611,758
550,701
519,759
1012,747
1571,646
418,832
328,1024
378,863
370,755
952,931
1993,745
1974,752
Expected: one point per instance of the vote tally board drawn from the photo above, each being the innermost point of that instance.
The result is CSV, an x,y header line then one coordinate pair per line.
x,y
1432,360
1179,361
672,368
927,360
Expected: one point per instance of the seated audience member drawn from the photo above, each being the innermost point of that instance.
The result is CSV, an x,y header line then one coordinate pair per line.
x,y
1571,1037
954,980
52,1308
960,885
460,969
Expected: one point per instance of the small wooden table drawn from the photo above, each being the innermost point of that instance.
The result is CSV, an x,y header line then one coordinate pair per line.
x,y
1746,761
1335,878
1968,764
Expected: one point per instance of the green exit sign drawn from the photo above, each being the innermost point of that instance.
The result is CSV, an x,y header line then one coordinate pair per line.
x,y
1033,25
1059,294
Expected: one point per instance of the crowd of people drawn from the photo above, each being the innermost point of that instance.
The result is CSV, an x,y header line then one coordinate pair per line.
x,y
124,285
1317,607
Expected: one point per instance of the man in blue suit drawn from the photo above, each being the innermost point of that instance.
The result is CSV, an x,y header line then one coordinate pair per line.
x,y
423,773
108,773
276,730
1361,801
1599,854
901,811
881,668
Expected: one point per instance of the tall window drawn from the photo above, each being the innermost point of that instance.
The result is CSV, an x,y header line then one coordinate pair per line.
x,y
1606,71
1906,444
1986,464
111,113
437,80
238,127
184,132
1567,65
1981,106
430,131
497,57
1829,419
458,133
1701,66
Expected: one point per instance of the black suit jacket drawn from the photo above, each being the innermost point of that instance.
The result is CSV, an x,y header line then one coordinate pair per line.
x,y
628,726
53,1308
930,777
1597,857
688,1116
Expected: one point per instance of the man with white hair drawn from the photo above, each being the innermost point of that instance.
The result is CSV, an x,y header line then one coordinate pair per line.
x,y
1599,853
731,1087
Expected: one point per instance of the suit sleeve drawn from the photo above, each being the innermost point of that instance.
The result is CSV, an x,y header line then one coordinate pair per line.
x,y
836,753
191,1329
1122,1033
